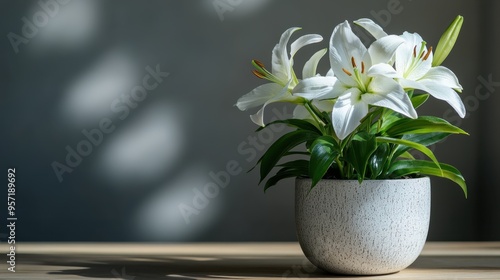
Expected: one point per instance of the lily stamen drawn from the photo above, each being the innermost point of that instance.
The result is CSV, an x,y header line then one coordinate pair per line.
x,y
362,67
428,53
258,74
262,73
353,62
261,65
347,72
422,49
415,51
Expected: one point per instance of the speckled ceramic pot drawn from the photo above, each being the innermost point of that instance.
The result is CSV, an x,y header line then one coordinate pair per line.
x,y
378,227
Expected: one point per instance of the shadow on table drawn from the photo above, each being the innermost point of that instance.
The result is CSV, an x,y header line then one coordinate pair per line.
x,y
488,263
179,267
206,267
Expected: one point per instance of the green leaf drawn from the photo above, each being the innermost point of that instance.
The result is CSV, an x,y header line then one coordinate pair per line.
x,y
373,114
388,118
359,152
423,139
410,144
302,124
406,155
378,160
427,139
299,164
323,153
420,126
281,147
424,167
418,100
300,153
285,172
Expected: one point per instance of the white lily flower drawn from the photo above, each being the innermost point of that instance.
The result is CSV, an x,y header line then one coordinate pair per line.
x,y
314,86
415,71
364,78
282,76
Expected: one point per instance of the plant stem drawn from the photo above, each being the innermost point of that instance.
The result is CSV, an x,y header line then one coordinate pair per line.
x,y
311,111
341,167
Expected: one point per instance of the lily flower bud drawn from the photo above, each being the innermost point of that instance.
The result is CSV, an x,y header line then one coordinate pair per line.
x,y
447,41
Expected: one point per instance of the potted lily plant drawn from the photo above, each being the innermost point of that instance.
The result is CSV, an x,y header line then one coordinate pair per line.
x,y
362,199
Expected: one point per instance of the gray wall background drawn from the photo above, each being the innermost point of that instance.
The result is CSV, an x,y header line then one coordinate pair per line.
x,y
130,187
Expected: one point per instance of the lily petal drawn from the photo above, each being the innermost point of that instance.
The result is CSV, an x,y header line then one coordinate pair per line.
x,y
412,39
280,60
446,94
259,96
371,27
338,89
282,95
304,41
405,57
258,118
410,84
347,113
383,69
442,76
324,105
311,65
382,50
385,92
437,91
344,45
315,87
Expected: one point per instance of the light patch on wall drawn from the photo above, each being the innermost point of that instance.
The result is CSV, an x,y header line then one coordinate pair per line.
x,y
232,9
249,7
159,218
70,26
145,148
89,97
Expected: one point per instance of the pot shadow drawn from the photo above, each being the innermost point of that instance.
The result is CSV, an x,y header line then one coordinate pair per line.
x,y
229,267
172,267
471,263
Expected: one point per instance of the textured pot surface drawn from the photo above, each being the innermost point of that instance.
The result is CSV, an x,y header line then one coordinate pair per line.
x,y
377,227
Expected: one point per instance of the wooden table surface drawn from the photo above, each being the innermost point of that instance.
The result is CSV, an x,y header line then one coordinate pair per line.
x,y
228,261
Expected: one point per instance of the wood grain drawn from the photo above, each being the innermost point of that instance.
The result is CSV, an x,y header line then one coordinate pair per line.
x,y
450,260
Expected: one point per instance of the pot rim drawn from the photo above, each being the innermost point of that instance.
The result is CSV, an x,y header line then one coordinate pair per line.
x,y
365,180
